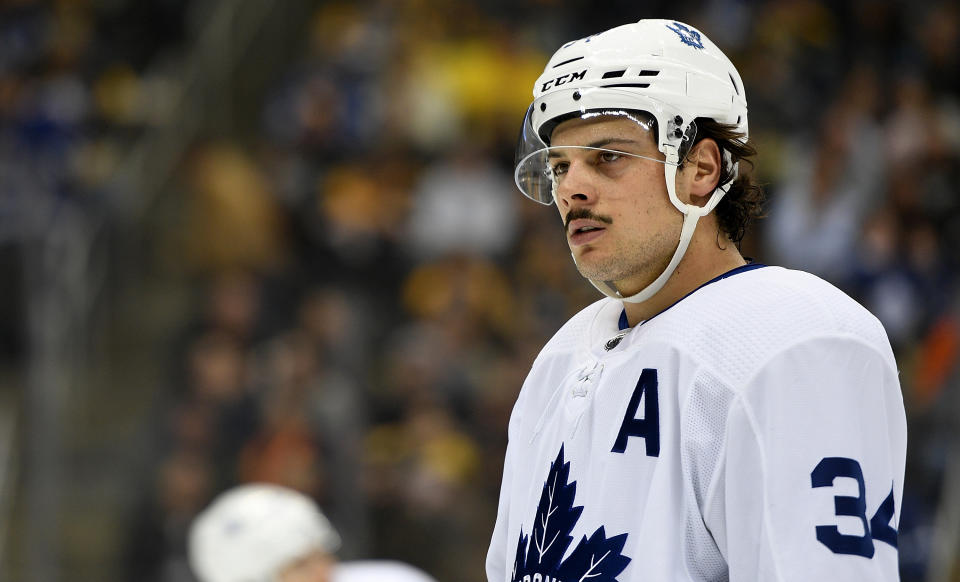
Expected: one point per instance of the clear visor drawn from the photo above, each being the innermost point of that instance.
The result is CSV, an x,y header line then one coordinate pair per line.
x,y
540,167
541,173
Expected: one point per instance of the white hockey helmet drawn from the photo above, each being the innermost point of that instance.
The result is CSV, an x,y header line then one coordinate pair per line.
x,y
251,532
665,68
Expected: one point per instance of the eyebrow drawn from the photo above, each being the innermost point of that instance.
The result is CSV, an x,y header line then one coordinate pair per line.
x,y
595,144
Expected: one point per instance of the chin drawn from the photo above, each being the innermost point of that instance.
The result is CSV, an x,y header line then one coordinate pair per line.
x,y
589,271
607,272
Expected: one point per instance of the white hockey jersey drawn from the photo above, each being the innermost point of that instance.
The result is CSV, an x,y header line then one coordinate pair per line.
x,y
752,432
378,571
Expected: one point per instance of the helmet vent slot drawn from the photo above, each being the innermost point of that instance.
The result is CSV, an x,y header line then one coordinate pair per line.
x,y
648,73
735,88
638,85
612,74
568,61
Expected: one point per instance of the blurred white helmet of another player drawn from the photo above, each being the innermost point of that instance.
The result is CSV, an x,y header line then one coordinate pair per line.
x,y
378,571
667,69
251,532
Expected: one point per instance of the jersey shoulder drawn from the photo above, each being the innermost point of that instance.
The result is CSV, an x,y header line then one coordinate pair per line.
x,y
736,324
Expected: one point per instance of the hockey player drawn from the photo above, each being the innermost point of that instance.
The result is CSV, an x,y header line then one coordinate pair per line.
x,y
267,533
712,418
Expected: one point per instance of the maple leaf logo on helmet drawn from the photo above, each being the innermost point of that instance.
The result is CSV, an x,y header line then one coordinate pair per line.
x,y
687,35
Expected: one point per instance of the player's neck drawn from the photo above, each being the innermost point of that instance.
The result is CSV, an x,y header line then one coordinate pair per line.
x,y
704,260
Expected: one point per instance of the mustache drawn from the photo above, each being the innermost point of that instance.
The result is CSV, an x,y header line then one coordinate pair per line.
x,y
578,213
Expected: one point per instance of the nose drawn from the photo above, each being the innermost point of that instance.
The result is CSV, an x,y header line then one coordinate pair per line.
x,y
576,186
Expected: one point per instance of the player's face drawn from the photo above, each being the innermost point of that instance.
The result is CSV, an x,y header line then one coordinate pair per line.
x,y
314,567
619,221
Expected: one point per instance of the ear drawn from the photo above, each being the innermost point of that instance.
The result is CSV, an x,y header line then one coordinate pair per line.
x,y
703,170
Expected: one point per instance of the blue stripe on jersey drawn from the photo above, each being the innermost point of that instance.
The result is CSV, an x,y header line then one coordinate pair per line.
x,y
624,324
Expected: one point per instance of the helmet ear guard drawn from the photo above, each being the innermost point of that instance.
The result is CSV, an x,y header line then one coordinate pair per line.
x,y
667,70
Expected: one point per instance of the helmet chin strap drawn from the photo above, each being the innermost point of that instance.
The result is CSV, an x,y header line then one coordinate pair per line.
x,y
691,214
686,234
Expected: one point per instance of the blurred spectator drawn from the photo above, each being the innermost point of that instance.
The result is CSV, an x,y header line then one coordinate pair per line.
x,y
829,184
233,220
463,204
157,541
421,471
311,438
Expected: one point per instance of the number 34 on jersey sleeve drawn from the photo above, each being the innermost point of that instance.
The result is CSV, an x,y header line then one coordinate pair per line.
x,y
819,437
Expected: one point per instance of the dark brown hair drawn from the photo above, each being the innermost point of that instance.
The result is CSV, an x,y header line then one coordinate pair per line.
x,y
743,203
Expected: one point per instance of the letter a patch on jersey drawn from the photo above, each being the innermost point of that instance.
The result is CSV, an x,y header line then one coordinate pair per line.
x,y
540,554
648,427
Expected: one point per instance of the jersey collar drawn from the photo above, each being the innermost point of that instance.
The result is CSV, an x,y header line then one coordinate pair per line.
x,y
623,324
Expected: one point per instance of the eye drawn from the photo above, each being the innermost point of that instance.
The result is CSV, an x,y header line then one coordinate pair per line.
x,y
608,156
559,168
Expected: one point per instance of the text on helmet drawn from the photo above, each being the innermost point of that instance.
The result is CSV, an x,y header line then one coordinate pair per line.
x,y
563,79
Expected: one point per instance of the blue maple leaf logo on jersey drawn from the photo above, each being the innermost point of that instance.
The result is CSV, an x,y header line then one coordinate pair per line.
x,y
687,35
540,554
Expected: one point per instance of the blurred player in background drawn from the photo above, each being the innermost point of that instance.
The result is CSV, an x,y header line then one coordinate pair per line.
x,y
712,418
268,533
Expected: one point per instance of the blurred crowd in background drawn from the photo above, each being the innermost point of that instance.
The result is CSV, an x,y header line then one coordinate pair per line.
x,y
368,288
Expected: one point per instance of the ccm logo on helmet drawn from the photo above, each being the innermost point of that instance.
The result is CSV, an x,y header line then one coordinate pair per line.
x,y
562,79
